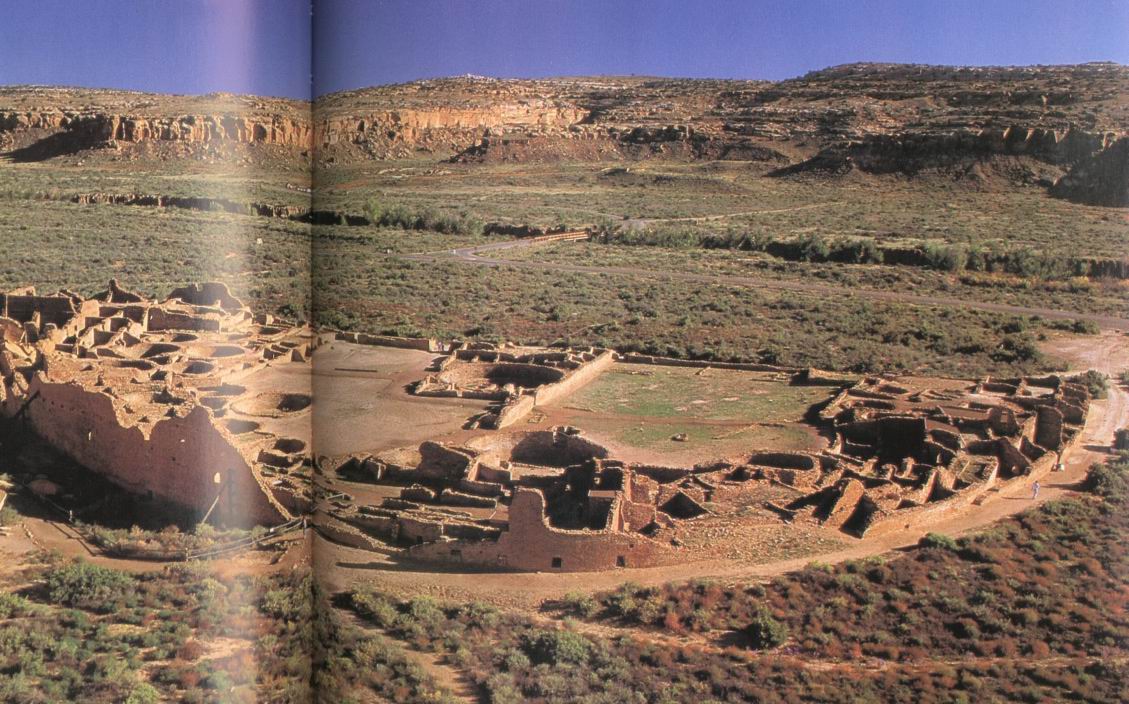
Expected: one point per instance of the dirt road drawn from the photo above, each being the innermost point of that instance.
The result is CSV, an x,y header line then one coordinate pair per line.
x,y
475,256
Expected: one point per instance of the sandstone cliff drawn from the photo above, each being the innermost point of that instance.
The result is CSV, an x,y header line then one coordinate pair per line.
x,y
848,103
1043,124
1101,179
42,123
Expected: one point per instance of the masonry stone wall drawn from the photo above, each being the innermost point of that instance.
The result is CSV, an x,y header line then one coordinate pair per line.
x,y
549,393
176,460
531,544
161,319
701,363
1048,427
514,410
423,344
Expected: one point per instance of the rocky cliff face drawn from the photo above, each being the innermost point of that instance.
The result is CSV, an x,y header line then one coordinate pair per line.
x,y
1101,179
865,118
399,133
37,123
1021,106
913,152
71,132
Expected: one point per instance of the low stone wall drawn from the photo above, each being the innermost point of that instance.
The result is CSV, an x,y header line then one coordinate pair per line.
x,y
344,534
160,319
661,474
425,344
521,406
514,411
549,393
701,363
783,460
450,497
820,377
922,516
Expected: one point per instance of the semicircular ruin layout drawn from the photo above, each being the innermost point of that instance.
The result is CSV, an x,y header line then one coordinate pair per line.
x,y
511,490
548,459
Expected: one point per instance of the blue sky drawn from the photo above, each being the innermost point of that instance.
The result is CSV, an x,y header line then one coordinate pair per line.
x,y
264,47
165,46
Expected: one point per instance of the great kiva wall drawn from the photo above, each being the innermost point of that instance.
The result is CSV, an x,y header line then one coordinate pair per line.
x,y
183,399
901,452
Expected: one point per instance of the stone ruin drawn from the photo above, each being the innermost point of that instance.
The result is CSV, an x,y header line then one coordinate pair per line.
x,y
154,395
516,379
905,454
188,399
904,451
538,500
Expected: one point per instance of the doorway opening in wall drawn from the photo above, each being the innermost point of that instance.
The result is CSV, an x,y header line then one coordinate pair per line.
x,y
557,562
621,561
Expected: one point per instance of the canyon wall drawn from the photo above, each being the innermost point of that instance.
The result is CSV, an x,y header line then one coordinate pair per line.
x,y
400,133
1100,179
37,135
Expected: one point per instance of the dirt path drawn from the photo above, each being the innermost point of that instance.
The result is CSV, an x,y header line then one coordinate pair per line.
x,y
715,643
34,533
643,222
473,256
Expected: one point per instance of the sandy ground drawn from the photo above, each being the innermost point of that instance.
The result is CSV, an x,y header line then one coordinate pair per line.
x,y
363,405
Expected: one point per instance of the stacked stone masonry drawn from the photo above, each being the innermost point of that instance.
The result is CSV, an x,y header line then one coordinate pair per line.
x,y
148,394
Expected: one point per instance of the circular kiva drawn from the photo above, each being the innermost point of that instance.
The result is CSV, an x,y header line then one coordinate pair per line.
x,y
273,404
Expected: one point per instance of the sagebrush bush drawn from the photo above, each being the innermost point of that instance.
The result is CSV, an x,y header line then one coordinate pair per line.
x,y
765,632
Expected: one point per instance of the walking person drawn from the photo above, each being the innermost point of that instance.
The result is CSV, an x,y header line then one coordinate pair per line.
x,y
1035,491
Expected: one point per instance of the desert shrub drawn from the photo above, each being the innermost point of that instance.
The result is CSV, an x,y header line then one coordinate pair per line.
x,y
1017,348
945,257
673,237
143,693
938,540
1094,381
191,650
863,250
86,586
557,647
479,615
405,218
1080,327
581,604
8,516
1109,479
503,691
765,632
1121,439
12,605
814,248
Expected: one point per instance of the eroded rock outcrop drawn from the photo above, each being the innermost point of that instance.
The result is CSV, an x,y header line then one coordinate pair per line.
x,y
1099,179
40,123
